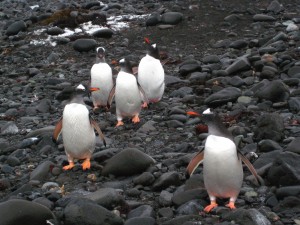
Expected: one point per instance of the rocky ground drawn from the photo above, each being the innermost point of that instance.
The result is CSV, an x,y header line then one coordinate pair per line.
x,y
241,58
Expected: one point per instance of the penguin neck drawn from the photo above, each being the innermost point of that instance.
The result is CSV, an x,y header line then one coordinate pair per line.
x,y
77,99
217,128
153,54
100,60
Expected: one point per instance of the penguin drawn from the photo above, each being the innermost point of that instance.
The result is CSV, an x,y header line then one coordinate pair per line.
x,y
151,75
222,162
128,94
102,78
77,128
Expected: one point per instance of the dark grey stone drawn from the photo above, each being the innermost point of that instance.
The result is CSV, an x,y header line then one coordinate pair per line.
x,y
127,162
16,27
84,45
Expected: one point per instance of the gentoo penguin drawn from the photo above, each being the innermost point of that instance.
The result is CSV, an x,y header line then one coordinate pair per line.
x,y
128,94
77,128
102,78
151,75
222,166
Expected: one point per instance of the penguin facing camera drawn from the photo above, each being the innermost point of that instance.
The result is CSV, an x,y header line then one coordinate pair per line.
x,y
222,162
77,128
128,94
102,78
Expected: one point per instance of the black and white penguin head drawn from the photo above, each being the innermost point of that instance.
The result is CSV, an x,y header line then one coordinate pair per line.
x,y
152,49
125,65
100,53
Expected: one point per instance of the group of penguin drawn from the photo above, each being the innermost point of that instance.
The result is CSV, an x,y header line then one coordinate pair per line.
x,y
222,162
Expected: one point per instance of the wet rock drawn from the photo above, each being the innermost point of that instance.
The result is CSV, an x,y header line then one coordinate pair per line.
x,y
84,211
16,210
283,192
268,145
4,184
140,220
142,211
275,91
16,27
229,94
153,19
106,197
9,128
293,146
165,198
55,31
263,18
166,180
285,170
144,179
182,197
238,44
128,162
192,207
247,217
42,171
188,68
269,126
239,64
103,33
172,18
294,104
275,7
84,45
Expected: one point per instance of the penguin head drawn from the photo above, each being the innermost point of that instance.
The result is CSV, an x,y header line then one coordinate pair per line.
x,y
125,65
100,51
152,49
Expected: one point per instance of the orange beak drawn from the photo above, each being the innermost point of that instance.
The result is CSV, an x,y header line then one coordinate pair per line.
x,y
191,113
94,89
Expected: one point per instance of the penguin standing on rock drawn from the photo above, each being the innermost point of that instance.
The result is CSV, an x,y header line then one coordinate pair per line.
x,y
151,75
128,94
77,128
102,78
222,166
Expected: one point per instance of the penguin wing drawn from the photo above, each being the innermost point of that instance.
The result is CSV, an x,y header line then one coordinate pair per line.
x,y
57,131
143,93
258,178
111,96
97,128
194,163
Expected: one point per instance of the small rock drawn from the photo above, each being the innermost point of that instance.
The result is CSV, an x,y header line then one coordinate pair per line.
x,y
128,162
263,18
42,171
229,94
166,180
172,18
16,27
103,33
84,45
16,210
142,211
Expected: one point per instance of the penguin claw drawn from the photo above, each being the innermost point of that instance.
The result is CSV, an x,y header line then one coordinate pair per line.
x,y
136,119
210,207
86,164
68,167
231,205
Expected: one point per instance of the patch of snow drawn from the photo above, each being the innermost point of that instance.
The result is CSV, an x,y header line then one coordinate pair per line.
x,y
34,7
116,23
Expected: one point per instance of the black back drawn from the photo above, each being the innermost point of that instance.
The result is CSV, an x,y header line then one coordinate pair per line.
x,y
125,65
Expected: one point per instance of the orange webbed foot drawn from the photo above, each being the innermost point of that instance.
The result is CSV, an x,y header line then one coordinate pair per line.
x,y
86,164
231,205
70,166
136,119
210,207
120,123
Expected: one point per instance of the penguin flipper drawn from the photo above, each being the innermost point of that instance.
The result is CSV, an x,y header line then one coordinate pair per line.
x,y
97,128
111,96
194,163
259,180
57,131
143,94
